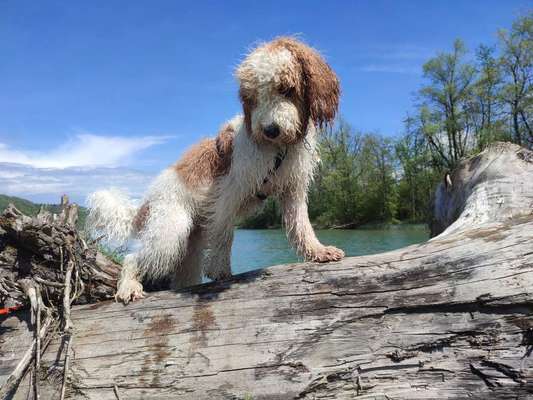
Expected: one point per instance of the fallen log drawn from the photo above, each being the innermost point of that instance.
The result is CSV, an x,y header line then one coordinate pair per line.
x,y
449,318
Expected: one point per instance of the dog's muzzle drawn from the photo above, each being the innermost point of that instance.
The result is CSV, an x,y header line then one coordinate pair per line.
x,y
271,131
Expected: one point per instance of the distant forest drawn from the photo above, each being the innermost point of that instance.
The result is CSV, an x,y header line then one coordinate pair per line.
x,y
468,100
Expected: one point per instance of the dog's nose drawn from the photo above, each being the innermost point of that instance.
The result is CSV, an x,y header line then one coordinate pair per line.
x,y
271,131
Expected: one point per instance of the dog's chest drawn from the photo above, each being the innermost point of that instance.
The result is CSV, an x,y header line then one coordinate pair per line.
x,y
262,170
288,169
273,176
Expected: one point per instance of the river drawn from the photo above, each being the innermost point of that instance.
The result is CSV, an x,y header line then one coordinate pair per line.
x,y
260,248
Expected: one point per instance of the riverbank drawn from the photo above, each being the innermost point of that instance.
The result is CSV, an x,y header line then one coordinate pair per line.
x,y
350,226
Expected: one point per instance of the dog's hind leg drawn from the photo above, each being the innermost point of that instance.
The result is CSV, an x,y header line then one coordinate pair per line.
x,y
165,239
189,272
129,287
163,245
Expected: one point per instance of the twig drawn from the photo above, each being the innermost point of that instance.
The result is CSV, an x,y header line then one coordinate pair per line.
x,y
61,258
77,282
65,366
66,296
96,240
33,293
82,287
115,389
48,283
30,386
67,322
37,344
2,290
28,287
85,247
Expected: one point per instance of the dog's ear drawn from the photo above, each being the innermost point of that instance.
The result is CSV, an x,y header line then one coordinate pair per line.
x,y
224,148
321,85
248,102
224,141
247,83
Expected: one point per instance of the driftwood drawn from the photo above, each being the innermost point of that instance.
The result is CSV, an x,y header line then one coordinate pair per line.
x,y
37,248
450,318
41,258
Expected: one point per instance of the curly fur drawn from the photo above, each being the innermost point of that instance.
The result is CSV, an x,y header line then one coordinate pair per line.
x,y
185,222
111,212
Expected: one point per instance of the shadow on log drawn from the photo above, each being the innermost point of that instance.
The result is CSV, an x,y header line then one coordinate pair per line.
x,y
450,318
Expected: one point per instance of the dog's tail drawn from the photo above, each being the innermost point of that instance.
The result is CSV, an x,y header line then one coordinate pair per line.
x,y
111,214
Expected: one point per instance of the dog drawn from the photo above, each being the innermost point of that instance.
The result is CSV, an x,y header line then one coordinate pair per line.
x,y
186,221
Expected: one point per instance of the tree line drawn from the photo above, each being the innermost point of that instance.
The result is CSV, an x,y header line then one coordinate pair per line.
x,y
468,101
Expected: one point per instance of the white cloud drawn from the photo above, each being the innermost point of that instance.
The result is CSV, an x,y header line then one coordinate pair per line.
x,y
78,167
84,150
404,52
398,52
399,59
48,184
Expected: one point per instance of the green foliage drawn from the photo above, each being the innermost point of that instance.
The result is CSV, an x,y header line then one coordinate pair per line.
x,y
466,104
338,169
445,98
418,175
268,217
356,182
516,65
25,206
116,255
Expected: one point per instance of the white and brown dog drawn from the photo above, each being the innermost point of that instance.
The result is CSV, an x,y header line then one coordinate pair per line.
x,y
185,223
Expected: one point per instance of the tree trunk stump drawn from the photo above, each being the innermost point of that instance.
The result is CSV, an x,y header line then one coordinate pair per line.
x,y
447,319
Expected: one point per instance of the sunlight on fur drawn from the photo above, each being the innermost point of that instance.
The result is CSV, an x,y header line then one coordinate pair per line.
x,y
186,220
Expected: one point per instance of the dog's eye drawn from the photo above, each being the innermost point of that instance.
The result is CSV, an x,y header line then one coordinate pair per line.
x,y
247,96
287,92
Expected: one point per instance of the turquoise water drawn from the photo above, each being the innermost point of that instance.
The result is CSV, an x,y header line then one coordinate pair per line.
x,y
253,249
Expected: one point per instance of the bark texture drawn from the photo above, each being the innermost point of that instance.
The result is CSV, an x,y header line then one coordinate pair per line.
x,y
35,257
38,248
447,319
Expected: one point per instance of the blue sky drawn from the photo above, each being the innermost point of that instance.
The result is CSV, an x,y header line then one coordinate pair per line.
x,y
97,93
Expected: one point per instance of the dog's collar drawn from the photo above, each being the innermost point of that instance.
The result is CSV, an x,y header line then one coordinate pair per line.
x,y
278,160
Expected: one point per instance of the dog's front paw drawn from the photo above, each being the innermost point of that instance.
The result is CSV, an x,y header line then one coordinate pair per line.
x,y
129,290
219,275
217,266
326,254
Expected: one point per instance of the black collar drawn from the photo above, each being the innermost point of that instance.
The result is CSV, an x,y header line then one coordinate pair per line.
x,y
277,164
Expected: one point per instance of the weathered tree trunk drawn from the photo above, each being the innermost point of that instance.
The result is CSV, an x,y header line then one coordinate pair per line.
x,y
447,319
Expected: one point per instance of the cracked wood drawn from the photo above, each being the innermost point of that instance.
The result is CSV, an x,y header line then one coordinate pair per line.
x,y
450,318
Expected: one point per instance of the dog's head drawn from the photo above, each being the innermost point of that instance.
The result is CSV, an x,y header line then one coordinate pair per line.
x,y
284,86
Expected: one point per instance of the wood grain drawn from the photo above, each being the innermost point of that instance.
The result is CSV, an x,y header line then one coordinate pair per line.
x,y
447,319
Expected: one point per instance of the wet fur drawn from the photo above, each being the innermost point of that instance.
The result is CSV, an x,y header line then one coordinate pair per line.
x,y
185,223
